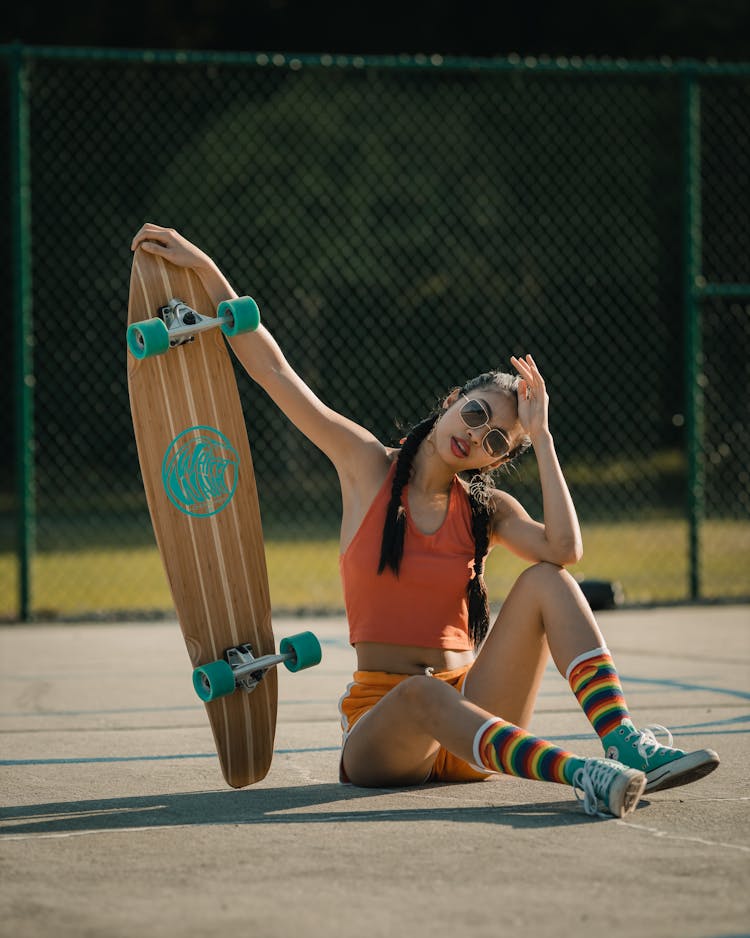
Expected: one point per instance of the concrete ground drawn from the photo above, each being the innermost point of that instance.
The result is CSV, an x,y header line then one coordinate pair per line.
x,y
116,821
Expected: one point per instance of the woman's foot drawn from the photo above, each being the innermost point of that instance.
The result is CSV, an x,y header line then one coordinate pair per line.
x,y
665,767
608,786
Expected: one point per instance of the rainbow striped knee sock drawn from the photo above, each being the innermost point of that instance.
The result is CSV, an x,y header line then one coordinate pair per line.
x,y
593,679
504,747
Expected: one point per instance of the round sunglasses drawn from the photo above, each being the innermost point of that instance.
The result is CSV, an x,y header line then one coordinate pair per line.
x,y
474,415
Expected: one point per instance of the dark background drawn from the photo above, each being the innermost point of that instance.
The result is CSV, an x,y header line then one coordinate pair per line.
x,y
635,29
604,217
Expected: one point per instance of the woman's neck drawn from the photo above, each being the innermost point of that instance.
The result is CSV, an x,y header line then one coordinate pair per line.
x,y
430,475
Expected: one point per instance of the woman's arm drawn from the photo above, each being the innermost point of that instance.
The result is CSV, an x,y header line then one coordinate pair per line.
x,y
558,539
345,443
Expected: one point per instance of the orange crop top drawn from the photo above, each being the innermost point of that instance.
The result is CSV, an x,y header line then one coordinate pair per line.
x,y
425,605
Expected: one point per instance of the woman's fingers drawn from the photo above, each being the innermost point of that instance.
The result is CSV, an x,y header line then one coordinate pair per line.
x,y
169,244
528,370
151,233
520,365
153,247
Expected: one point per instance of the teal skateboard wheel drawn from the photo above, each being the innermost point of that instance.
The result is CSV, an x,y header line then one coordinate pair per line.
x,y
147,338
244,313
213,680
306,650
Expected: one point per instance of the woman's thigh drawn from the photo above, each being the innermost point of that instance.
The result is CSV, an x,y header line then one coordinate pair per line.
x,y
506,675
397,741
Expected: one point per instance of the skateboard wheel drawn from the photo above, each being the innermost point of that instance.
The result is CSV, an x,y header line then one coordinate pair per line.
x,y
213,680
147,338
245,315
306,650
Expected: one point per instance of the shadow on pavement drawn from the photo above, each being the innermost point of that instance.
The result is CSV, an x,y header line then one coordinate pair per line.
x,y
268,806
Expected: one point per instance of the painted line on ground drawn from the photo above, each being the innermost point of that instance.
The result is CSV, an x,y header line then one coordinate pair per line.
x,y
685,730
197,707
666,684
281,816
684,685
87,760
667,835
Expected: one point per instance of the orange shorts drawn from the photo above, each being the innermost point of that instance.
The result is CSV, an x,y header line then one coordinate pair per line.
x,y
369,687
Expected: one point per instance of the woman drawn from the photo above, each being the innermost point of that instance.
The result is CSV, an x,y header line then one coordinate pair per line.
x,y
439,695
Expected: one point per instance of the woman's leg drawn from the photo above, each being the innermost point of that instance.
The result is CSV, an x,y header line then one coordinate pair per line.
x,y
397,741
546,610
544,613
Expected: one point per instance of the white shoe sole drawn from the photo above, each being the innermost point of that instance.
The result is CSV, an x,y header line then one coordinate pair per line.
x,y
689,768
626,793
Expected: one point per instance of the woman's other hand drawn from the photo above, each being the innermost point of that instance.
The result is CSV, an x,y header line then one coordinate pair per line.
x,y
533,400
169,244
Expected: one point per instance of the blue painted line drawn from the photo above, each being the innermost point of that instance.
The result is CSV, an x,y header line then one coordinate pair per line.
x,y
684,685
684,730
583,736
727,722
291,752
626,679
185,755
79,713
195,708
101,759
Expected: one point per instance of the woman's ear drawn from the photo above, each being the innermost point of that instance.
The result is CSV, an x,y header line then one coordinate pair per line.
x,y
451,399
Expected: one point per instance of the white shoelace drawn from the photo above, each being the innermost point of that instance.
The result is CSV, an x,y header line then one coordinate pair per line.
x,y
647,742
594,775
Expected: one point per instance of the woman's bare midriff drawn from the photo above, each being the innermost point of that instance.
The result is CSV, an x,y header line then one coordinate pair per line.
x,y
408,659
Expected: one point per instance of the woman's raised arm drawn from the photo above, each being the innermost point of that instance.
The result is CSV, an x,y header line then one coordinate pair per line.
x,y
346,444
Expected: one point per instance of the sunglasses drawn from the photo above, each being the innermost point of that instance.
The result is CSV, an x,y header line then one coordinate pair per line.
x,y
474,415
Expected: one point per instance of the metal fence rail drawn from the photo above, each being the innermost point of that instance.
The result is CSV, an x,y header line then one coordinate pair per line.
x,y
404,223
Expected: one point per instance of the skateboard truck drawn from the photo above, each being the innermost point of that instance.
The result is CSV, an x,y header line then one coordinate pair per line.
x,y
248,670
241,669
176,323
183,323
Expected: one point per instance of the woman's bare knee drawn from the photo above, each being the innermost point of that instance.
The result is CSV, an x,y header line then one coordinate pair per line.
x,y
396,744
546,580
543,572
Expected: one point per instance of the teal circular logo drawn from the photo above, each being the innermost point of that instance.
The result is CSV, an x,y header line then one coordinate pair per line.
x,y
199,471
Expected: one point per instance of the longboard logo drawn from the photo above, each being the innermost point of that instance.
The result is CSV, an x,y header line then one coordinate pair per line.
x,y
199,471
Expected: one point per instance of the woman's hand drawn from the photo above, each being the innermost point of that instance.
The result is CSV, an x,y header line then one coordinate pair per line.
x,y
533,400
558,539
170,245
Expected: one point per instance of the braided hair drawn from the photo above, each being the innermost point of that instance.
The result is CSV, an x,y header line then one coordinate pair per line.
x,y
394,530
480,500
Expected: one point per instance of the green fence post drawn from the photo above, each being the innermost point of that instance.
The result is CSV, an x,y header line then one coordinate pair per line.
x,y
691,123
22,319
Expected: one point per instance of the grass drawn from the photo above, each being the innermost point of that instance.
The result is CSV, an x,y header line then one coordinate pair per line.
x,y
648,557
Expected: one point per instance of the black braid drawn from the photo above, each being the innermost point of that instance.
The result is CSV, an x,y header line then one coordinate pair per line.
x,y
476,590
392,545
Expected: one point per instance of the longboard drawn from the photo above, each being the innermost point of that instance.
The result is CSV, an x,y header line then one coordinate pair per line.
x,y
200,487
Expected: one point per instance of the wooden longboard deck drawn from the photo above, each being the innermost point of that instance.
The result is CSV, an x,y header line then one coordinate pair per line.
x,y
200,486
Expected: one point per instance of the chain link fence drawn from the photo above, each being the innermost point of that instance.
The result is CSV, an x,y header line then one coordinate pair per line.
x,y
403,224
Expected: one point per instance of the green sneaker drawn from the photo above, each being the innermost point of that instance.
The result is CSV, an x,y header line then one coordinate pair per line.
x,y
665,767
609,787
